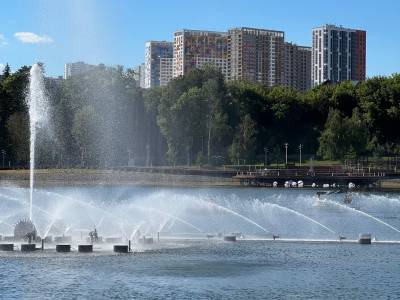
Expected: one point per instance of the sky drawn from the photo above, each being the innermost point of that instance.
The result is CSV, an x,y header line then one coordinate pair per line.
x,y
113,32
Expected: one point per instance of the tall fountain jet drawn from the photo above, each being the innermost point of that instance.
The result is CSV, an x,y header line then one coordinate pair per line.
x,y
38,111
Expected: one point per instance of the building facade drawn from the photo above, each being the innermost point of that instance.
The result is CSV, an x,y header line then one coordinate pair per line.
x,y
297,68
155,52
338,54
166,70
139,75
73,69
256,55
195,49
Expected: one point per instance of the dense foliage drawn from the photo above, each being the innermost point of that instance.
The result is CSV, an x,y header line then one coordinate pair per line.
x,y
102,118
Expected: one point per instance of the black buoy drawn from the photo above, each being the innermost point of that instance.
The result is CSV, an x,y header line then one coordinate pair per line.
x,y
121,248
85,248
129,246
6,247
63,248
364,238
230,238
42,244
28,247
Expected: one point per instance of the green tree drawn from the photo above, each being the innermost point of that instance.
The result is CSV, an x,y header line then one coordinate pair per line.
x,y
18,130
343,137
244,142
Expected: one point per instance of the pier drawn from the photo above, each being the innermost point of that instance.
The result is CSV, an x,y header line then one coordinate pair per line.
x,y
316,178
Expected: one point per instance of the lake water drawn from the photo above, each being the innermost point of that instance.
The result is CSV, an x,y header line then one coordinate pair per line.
x,y
186,265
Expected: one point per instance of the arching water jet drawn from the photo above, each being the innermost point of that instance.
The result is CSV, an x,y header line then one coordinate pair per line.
x,y
364,214
232,212
302,216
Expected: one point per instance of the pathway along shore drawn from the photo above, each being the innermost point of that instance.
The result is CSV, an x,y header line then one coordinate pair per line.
x,y
167,177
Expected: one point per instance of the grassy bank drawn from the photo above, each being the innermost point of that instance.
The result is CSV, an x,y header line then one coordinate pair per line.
x,y
81,177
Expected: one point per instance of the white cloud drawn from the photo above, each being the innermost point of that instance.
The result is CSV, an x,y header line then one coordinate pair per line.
x,y
32,38
3,41
2,66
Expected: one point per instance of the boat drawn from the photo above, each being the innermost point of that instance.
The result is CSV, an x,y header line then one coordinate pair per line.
x,y
351,185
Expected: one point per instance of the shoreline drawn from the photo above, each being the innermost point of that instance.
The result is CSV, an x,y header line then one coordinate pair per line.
x,y
95,177
92,177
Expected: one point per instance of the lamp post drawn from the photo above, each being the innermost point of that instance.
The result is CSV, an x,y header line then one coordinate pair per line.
x,y
3,153
300,147
83,150
129,156
286,147
266,150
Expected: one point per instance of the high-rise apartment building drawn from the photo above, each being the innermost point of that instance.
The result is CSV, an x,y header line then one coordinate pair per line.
x,y
73,69
256,55
155,52
195,49
338,54
166,70
297,67
139,75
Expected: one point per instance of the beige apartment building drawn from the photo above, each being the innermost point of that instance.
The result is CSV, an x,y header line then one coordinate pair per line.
x,y
197,48
297,67
256,55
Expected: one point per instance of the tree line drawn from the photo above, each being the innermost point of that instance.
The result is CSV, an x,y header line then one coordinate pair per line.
x,y
103,119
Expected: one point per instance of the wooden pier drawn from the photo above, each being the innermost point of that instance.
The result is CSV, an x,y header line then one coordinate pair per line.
x,y
333,178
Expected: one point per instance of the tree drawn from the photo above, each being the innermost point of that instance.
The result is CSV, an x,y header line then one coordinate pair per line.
x,y
6,71
244,142
18,130
343,136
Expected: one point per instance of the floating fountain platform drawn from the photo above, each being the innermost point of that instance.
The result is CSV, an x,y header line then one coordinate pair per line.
x,y
63,248
28,247
364,238
121,248
85,248
230,238
6,247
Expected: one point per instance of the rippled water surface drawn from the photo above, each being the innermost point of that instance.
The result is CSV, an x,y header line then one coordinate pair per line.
x,y
204,269
182,268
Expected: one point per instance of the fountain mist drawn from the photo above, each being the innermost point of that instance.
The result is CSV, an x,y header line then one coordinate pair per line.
x,y
37,105
364,214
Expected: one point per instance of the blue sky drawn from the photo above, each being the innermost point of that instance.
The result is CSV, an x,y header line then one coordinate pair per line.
x,y
114,31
